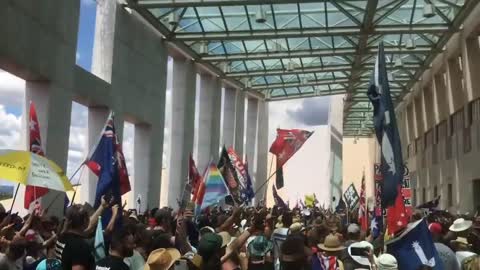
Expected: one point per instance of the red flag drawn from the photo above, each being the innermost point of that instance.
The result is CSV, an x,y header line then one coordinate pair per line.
x,y
32,193
122,168
397,218
362,210
287,143
193,176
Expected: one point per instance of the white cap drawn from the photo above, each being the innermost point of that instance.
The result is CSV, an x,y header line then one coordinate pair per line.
x,y
353,228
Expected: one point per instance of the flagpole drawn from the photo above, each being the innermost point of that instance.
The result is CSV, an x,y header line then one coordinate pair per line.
x,y
269,172
75,191
266,181
14,197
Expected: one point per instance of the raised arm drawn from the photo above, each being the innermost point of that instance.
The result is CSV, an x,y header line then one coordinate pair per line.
x,y
96,215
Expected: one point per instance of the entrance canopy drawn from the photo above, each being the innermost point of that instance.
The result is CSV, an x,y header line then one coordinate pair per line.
x,y
285,49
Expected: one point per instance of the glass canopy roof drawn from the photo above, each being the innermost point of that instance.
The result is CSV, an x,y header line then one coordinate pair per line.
x,y
287,49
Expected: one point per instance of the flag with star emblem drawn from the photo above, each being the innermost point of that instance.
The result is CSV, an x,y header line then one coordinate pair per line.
x,y
362,209
287,143
33,194
108,163
414,248
386,131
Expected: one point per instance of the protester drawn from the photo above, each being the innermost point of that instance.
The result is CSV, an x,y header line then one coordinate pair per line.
x,y
121,247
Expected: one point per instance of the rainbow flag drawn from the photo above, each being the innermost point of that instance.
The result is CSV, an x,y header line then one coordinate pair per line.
x,y
215,188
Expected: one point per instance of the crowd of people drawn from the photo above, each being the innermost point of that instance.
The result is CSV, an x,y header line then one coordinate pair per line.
x,y
231,238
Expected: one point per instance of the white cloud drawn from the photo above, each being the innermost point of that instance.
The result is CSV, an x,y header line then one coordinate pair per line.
x,y
10,130
12,90
77,56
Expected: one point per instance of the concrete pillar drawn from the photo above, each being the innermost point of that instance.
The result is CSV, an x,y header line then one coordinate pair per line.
x,y
412,133
181,129
262,149
428,107
239,122
440,97
454,85
208,139
156,166
228,129
97,116
54,106
103,42
251,139
471,66
141,155
419,117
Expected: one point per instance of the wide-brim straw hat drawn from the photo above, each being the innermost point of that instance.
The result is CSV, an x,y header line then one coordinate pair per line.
x,y
162,259
460,224
331,243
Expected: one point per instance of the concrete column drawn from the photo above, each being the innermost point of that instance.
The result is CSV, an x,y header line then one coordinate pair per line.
x,y
208,139
156,168
103,42
251,139
419,117
141,164
440,97
228,128
412,133
239,122
454,85
428,107
471,66
262,149
181,129
54,106
97,116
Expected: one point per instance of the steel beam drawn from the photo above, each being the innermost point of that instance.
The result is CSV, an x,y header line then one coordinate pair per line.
x,y
311,53
298,84
308,32
206,3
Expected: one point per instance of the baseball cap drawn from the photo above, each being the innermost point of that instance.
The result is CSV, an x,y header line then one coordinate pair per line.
x,y
435,228
209,244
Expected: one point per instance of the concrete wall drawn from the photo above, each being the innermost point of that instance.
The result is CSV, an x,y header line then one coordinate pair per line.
x,y
443,156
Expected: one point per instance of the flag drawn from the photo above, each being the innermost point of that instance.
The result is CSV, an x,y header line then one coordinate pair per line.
x,y
362,210
226,168
341,206
249,192
414,248
386,130
215,188
99,251
278,200
430,204
309,201
33,193
194,176
376,225
108,163
287,143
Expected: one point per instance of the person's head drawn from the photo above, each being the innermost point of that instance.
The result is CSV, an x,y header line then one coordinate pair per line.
x,y
77,217
162,259
387,262
293,253
163,218
353,232
332,245
436,231
460,244
210,248
122,242
461,227
16,250
160,240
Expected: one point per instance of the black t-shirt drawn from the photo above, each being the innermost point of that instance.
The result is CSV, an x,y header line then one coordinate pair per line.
x,y
72,250
111,263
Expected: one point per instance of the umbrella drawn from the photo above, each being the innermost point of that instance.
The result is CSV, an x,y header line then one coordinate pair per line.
x,y
27,168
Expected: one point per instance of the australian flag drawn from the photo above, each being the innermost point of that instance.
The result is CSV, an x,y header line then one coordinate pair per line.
x,y
415,248
108,163
386,131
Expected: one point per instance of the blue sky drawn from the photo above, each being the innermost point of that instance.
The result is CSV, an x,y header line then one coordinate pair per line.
x,y
86,32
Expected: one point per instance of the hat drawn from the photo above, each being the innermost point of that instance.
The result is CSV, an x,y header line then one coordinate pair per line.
x,y
331,243
363,260
195,259
353,228
162,259
435,228
49,264
460,224
296,227
209,244
259,246
460,240
225,238
133,216
387,262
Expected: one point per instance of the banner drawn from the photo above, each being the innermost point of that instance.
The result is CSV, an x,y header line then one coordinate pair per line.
x,y
407,192
351,196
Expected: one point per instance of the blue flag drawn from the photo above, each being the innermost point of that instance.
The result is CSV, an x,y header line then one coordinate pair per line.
x,y
386,131
99,244
376,225
104,163
414,248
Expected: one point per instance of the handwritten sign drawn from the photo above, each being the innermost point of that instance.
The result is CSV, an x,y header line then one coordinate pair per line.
x,y
351,196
